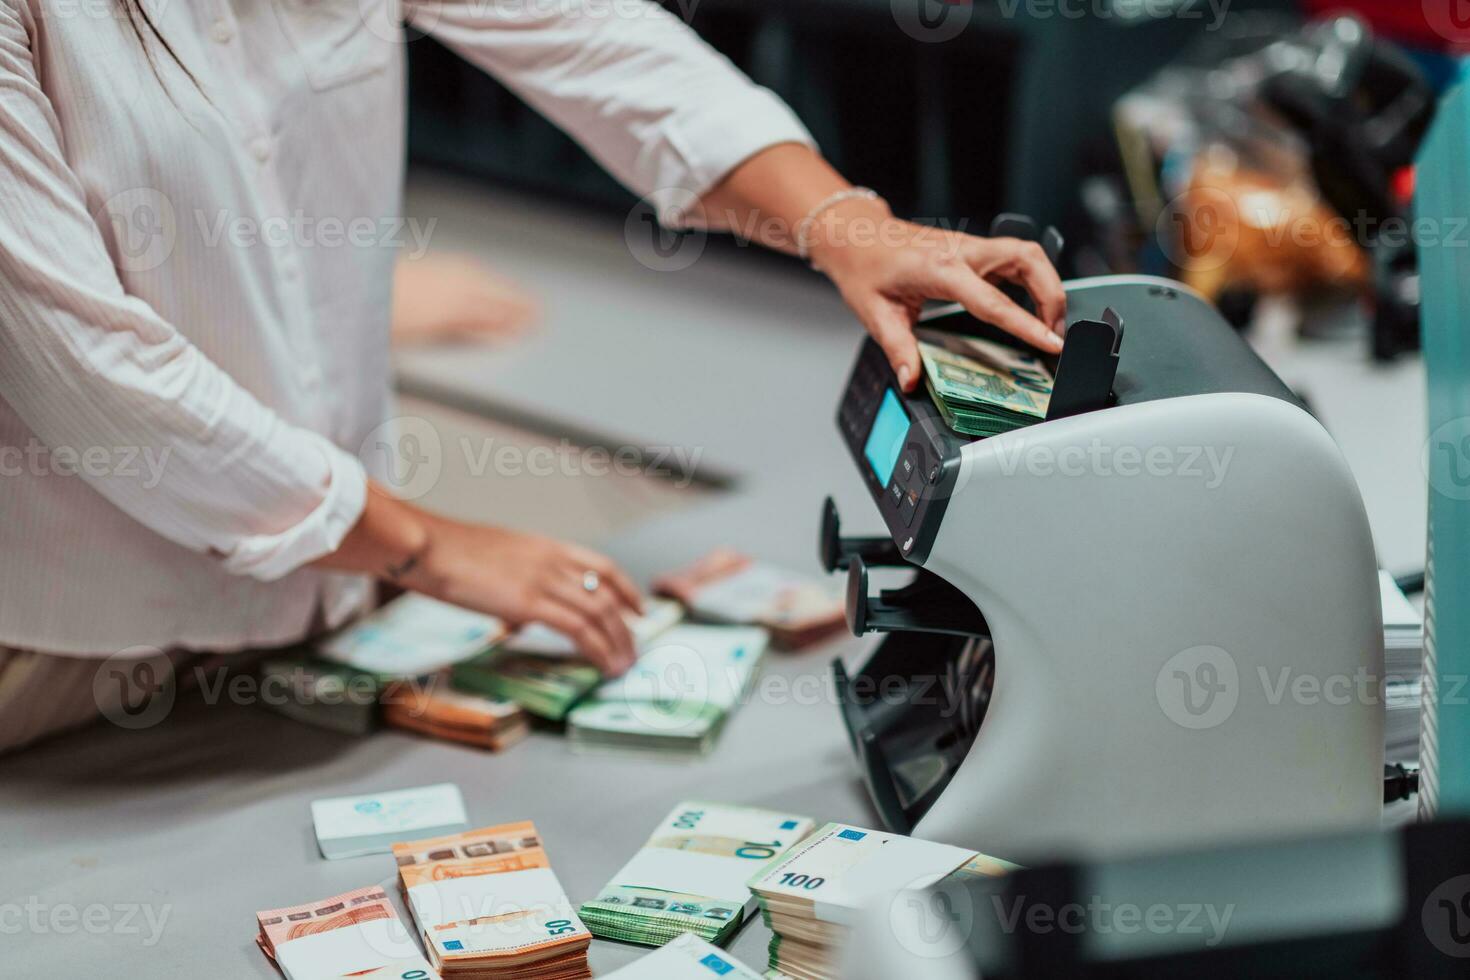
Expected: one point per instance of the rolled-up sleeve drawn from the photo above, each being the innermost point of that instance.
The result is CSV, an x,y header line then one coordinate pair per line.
x,y
661,110
84,364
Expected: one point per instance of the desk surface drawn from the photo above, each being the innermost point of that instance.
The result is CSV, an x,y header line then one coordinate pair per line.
x,y
204,819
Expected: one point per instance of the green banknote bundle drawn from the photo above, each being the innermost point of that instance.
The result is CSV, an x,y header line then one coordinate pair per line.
x,y
690,876
983,388
545,686
677,697
539,670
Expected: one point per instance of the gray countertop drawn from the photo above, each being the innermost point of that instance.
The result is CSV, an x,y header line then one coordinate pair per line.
x,y
203,820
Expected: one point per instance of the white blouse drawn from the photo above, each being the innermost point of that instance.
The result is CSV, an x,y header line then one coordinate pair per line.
x,y
195,280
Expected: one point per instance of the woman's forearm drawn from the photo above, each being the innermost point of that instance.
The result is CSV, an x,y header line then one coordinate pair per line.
x,y
767,197
388,541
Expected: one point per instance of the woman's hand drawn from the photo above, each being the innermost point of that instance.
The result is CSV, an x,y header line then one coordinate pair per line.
x,y
886,268
521,578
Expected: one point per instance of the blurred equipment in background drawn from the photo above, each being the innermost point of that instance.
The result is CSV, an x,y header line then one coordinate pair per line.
x,y
952,108
1272,160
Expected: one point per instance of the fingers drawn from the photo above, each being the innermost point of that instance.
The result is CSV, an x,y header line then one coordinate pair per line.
x,y
892,327
604,630
956,281
610,575
1026,264
573,623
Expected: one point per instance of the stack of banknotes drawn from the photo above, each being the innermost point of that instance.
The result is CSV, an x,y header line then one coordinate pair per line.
x,y
690,877
812,896
356,934
677,697
538,668
321,693
354,826
983,388
433,708
412,636
729,587
489,907
338,683
686,957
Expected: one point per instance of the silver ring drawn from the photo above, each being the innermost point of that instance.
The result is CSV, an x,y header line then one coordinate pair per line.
x,y
590,581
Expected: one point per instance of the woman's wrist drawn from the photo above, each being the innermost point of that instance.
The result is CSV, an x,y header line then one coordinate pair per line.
x,y
391,541
841,230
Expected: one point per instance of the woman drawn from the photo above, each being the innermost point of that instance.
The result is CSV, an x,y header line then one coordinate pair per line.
x,y
193,346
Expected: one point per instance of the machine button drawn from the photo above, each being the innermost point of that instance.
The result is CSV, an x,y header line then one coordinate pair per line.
x,y
895,492
934,473
909,465
909,507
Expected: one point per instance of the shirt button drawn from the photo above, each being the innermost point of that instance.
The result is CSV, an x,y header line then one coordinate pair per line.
x,y
260,148
223,33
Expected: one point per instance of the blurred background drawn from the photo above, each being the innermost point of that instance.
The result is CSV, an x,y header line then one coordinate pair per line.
x,y
1258,150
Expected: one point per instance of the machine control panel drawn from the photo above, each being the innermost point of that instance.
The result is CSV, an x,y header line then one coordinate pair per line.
x,y
906,454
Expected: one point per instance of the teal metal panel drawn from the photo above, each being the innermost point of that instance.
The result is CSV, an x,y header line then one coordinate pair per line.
x,y
1442,205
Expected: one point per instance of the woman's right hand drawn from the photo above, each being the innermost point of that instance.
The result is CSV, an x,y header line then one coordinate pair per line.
x,y
525,578
521,578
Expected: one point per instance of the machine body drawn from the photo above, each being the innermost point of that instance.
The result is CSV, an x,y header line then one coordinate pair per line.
x,y
1150,624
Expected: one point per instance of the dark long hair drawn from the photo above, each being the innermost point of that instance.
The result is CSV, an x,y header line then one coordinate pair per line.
x,y
140,21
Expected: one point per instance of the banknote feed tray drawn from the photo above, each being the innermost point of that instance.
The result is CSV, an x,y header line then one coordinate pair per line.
x,y
1010,707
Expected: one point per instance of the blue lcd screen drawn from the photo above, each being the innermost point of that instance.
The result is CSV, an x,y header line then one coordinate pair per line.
x,y
886,440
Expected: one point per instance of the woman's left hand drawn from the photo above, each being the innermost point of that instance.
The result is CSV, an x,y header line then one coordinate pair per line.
x,y
886,268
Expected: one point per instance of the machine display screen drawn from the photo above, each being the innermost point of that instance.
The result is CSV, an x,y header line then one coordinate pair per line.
x,y
885,442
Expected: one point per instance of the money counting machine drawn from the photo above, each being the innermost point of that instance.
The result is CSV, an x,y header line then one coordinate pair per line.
x,y
1150,620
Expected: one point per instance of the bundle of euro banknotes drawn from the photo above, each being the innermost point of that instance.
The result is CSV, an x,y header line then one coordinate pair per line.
x,y
812,896
402,648
438,711
690,876
489,907
677,697
726,586
983,388
449,673
538,668
685,958
356,934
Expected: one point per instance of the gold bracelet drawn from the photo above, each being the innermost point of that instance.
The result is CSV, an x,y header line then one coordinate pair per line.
x,y
804,228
